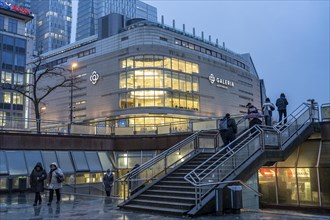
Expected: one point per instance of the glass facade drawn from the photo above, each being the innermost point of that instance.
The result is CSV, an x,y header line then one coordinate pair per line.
x,y
53,23
301,180
158,81
12,71
90,11
79,167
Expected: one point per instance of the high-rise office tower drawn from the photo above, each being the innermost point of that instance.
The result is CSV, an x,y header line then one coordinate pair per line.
x,y
90,11
15,48
53,23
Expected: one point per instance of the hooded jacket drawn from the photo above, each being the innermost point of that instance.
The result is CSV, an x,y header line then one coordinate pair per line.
x,y
52,180
281,102
37,178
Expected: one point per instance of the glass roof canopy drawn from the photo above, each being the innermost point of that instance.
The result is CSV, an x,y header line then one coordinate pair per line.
x,y
21,163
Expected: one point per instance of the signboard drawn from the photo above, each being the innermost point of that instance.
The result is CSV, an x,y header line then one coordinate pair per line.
x,y
15,8
94,77
219,82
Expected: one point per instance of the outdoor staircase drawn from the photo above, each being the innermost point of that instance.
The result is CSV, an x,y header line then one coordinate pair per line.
x,y
187,188
171,193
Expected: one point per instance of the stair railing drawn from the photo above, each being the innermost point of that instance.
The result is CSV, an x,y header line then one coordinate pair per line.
x,y
167,160
258,138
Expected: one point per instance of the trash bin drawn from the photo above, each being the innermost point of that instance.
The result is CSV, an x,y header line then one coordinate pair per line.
x,y
236,198
22,184
222,200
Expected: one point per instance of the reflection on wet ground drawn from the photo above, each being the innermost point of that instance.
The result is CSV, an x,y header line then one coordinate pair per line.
x,y
19,206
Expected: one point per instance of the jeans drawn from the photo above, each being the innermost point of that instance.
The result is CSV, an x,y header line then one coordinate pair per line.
x,y
51,193
37,198
280,114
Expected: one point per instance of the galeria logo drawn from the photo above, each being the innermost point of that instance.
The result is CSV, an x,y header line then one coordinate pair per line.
x,y
94,77
212,78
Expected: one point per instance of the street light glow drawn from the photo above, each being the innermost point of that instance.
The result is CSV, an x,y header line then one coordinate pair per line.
x,y
74,65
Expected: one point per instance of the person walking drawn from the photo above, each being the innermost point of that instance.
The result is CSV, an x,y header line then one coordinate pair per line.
x,y
267,109
108,182
55,179
228,129
37,177
281,104
253,115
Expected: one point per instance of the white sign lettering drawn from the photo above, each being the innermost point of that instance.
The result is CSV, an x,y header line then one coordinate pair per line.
x,y
222,83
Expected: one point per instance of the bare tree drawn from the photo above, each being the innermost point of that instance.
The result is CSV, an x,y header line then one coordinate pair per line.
x,y
43,80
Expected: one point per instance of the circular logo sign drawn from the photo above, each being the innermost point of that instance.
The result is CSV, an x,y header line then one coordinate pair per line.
x,y
212,78
94,77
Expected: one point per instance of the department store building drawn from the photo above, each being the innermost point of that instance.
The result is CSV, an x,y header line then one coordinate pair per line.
x,y
140,74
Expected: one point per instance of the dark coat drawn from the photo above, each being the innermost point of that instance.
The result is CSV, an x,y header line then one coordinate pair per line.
x,y
281,103
37,178
108,181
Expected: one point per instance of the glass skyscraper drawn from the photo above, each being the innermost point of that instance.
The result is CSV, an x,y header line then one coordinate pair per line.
x,y
90,11
53,23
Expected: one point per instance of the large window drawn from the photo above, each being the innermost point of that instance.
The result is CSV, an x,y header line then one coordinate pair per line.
x,y
6,77
301,180
12,25
154,78
159,62
159,98
2,22
17,98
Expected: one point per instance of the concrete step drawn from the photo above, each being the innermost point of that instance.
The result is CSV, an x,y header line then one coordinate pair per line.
x,y
156,209
180,199
174,183
174,188
169,192
162,204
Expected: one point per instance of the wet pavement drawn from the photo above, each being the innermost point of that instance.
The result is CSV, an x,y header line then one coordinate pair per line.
x,y
19,206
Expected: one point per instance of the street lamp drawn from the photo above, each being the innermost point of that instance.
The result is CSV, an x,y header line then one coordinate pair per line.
x,y
73,65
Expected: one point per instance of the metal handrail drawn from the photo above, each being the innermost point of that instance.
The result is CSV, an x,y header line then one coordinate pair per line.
x,y
196,177
193,146
228,182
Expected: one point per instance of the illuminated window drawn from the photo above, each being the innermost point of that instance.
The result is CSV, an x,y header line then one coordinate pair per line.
x,y
18,79
17,98
7,97
122,80
175,64
6,77
149,76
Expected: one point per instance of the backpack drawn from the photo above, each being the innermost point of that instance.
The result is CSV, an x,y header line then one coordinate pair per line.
x,y
59,178
223,125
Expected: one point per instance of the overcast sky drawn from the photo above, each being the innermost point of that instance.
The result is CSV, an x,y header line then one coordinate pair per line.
x,y
288,40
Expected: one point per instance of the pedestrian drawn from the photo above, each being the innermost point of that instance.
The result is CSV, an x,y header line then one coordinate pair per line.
x,y
37,177
55,179
108,182
133,180
281,104
267,109
253,115
228,129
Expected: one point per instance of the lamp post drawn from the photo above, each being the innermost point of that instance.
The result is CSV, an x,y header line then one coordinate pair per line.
x,y
73,65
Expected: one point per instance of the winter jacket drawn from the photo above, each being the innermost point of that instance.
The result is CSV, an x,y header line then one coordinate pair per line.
x,y
37,178
52,180
252,109
281,103
267,108
108,181
232,126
